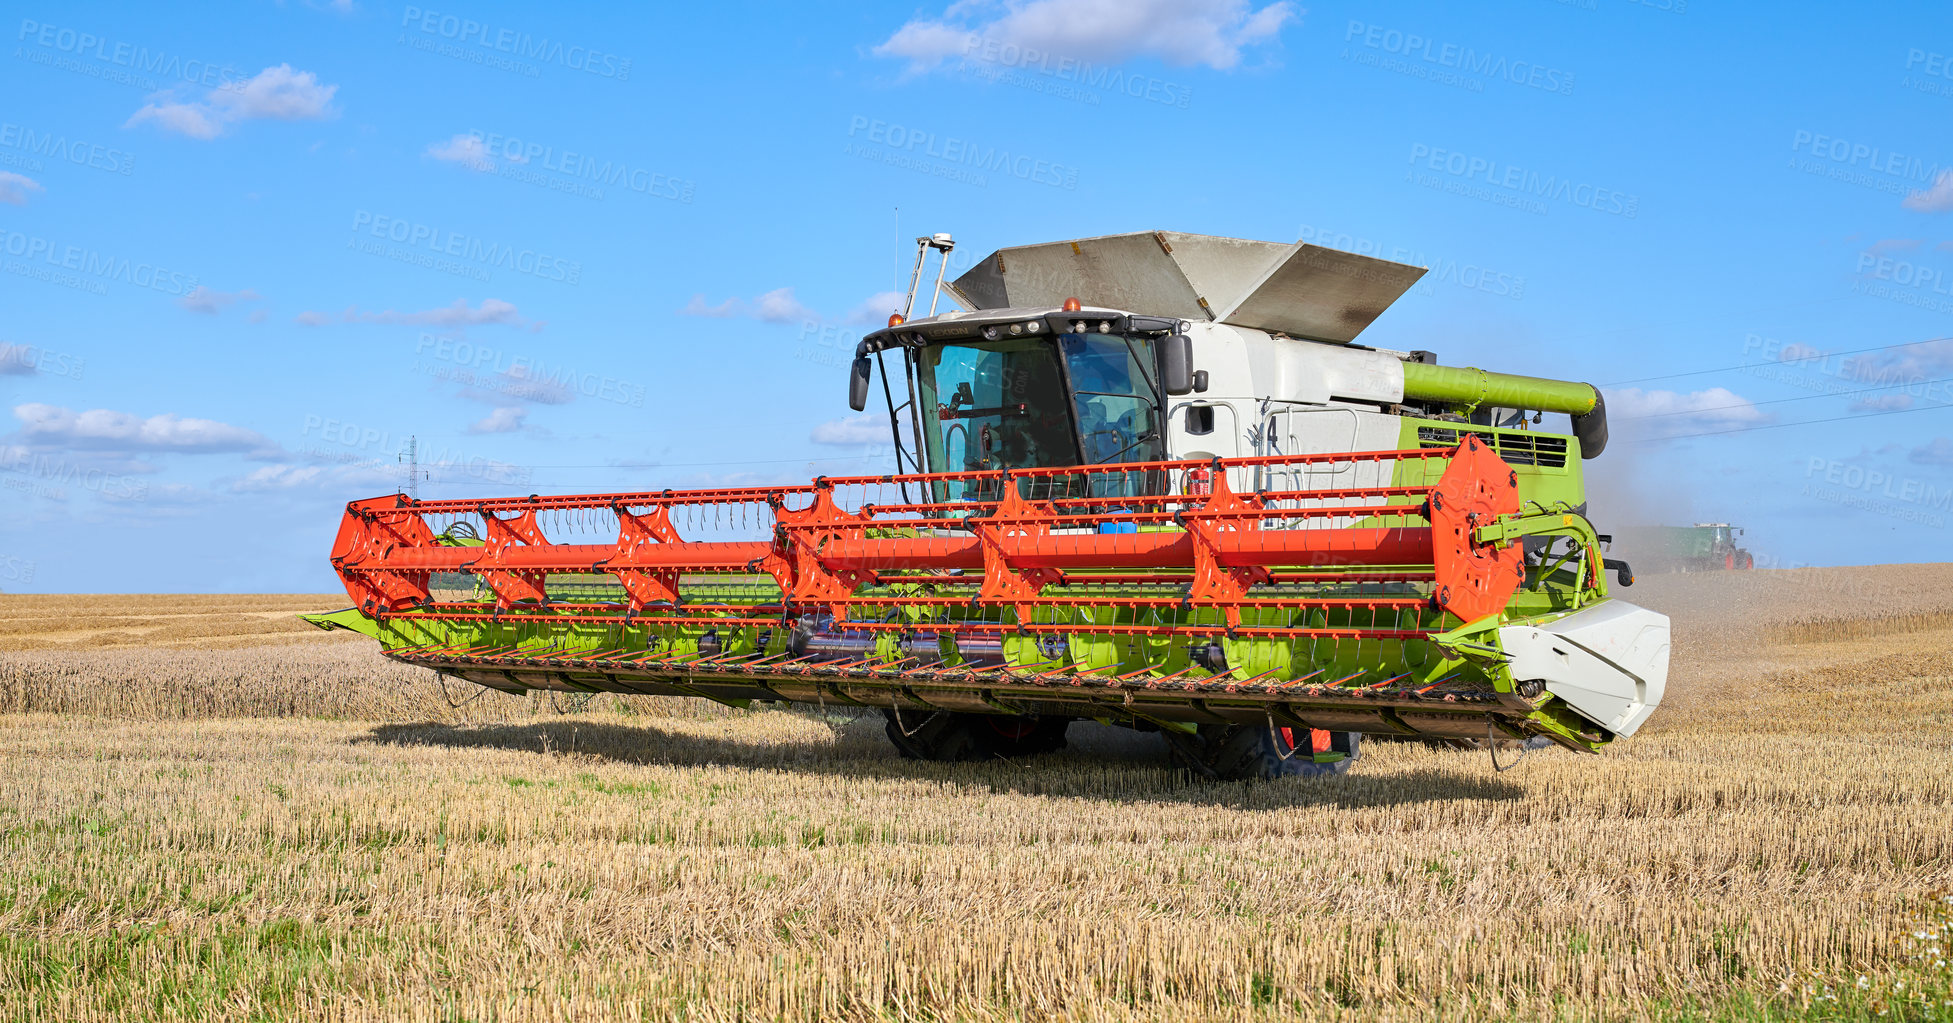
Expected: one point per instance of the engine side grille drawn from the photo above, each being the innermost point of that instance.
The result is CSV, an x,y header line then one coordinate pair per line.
x,y
1517,448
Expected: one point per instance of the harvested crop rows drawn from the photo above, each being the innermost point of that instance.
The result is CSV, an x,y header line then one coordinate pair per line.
x,y
226,829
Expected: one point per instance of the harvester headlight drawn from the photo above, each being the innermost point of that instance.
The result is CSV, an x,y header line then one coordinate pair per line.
x,y
1017,328
1078,326
1033,326
1105,326
990,333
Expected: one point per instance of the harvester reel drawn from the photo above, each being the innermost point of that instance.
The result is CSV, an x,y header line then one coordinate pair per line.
x,y
949,736
1389,601
1477,489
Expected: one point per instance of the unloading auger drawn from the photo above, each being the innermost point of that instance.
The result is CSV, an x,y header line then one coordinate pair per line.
x,y
1220,520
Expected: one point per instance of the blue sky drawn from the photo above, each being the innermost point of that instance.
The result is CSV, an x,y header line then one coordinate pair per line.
x,y
247,251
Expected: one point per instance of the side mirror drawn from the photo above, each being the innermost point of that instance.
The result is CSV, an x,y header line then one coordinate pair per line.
x,y
858,382
1176,364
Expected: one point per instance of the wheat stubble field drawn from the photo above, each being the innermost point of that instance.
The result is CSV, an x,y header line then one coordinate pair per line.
x,y
206,813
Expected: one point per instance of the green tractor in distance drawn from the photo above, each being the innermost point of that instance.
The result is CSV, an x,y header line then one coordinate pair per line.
x,y
1703,547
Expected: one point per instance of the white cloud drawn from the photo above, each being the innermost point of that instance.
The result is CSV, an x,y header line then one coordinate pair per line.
x,y
515,386
491,311
697,307
506,419
191,119
17,360
362,475
280,477
465,150
322,473
1659,414
178,494
43,459
107,430
875,309
524,384
1936,199
1905,364
211,301
776,306
14,188
1939,452
1181,32
852,431
779,306
277,93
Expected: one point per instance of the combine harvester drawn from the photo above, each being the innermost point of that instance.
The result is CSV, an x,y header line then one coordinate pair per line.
x,y
1147,479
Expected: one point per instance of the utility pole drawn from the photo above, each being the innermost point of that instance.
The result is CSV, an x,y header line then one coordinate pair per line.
x,y
411,457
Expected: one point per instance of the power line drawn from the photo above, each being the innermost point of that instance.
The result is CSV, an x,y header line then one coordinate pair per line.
x,y
1779,426
684,465
1779,401
1754,365
612,482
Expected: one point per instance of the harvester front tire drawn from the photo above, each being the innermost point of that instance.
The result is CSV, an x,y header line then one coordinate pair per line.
x,y
1255,752
1028,736
946,736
